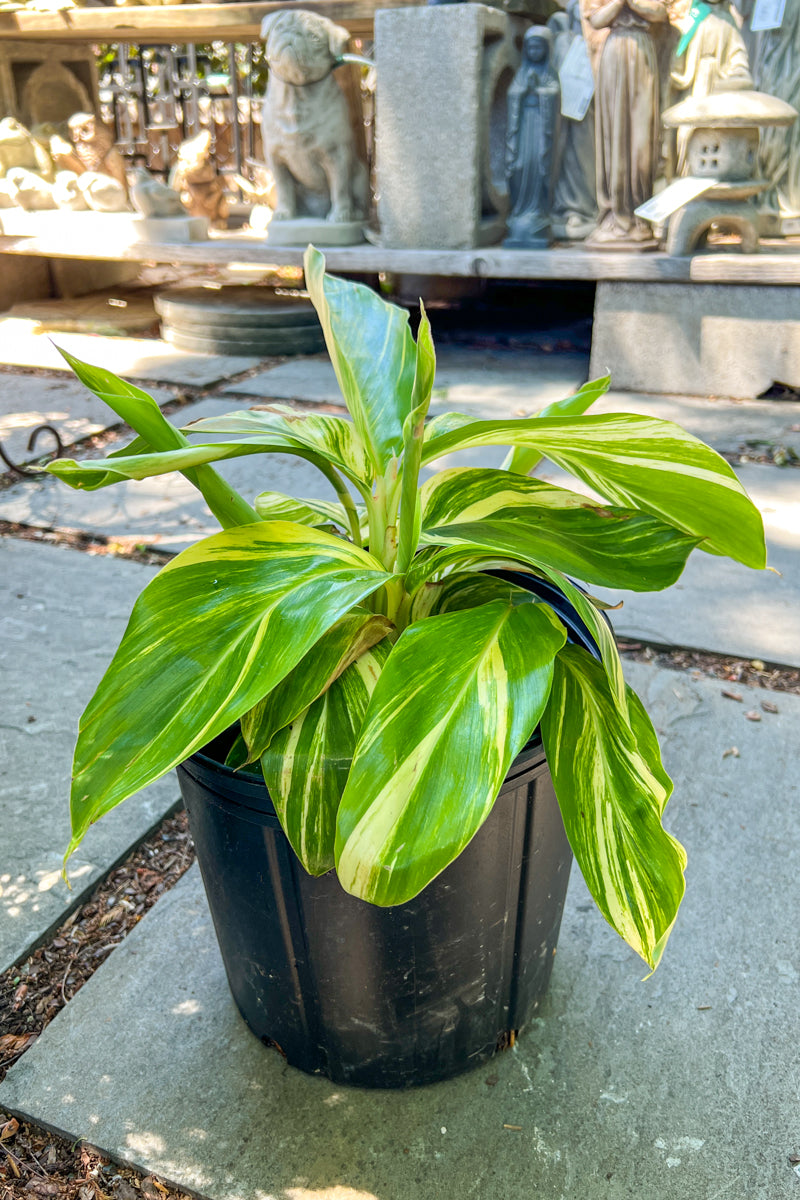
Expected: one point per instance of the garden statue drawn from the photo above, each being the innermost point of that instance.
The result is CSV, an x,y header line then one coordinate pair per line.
x,y
533,103
94,147
575,193
152,198
307,136
198,182
775,64
19,148
103,193
711,56
628,126
32,193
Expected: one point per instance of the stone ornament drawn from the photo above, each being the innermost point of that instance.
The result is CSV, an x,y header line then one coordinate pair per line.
x,y
711,56
32,193
575,194
103,193
52,93
307,136
722,146
628,127
19,148
94,147
533,111
198,182
152,198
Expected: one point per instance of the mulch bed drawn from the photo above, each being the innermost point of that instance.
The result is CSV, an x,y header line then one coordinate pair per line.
x,y
34,1162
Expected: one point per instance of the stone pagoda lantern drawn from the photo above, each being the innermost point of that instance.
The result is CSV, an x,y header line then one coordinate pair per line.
x,y
723,148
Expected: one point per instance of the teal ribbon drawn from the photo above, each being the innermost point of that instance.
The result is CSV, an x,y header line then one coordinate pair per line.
x,y
699,11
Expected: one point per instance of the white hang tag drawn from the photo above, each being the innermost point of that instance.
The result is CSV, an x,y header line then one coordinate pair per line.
x,y
767,14
673,197
577,81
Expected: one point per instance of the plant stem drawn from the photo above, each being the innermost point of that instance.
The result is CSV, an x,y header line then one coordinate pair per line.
x,y
344,497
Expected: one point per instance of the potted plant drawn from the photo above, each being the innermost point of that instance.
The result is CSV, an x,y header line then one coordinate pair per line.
x,y
391,659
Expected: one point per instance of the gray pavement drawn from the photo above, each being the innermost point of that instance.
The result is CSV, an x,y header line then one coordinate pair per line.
x,y
30,400
22,345
682,1087
61,614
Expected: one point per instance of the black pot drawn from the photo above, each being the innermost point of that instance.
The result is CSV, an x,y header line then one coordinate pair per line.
x,y
384,997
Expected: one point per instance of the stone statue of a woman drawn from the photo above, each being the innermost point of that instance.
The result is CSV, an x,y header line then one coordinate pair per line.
x,y
627,107
533,104
575,195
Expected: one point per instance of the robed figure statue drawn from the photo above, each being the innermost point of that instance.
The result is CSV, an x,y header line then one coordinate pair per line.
x,y
533,113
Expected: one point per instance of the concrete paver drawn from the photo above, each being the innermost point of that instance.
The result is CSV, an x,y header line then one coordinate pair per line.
x,y
62,613
133,358
682,1087
467,380
30,400
165,511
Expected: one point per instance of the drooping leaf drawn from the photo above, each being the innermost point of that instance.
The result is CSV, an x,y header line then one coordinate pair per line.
x,y
522,459
218,628
457,700
276,506
636,462
333,438
307,763
156,433
373,355
344,642
539,523
612,789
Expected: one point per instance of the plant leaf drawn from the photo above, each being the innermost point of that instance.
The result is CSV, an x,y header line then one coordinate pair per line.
x,y
156,433
539,523
333,438
276,506
612,789
373,355
457,700
637,462
522,459
344,642
218,628
307,763
413,435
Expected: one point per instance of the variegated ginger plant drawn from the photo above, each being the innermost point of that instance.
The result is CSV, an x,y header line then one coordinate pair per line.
x,y
384,676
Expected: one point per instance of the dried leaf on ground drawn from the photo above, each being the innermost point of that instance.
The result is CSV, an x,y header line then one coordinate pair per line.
x,y
753,715
769,707
733,752
732,695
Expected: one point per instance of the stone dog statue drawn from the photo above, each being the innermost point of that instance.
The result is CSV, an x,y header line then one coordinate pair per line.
x,y
307,136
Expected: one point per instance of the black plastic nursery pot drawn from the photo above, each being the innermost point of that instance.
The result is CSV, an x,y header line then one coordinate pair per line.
x,y
384,997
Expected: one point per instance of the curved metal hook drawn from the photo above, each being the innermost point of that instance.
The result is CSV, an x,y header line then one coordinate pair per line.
x,y
29,472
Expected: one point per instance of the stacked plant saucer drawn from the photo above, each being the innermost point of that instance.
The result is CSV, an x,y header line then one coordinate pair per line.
x,y
244,320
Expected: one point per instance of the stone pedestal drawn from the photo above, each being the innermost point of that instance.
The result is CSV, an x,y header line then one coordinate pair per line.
x,y
697,339
443,75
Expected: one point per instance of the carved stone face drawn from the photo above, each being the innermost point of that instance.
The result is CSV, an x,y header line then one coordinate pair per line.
x,y
302,47
91,138
536,46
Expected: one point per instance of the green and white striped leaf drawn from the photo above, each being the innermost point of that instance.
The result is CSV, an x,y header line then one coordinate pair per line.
x,y
332,438
457,700
344,642
373,355
539,523
413,436
276,506
306,765
458,592
218,628
637,462
522,459
612,789
156,434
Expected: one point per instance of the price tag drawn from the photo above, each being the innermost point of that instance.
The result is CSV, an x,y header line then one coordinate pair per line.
x,y
767,14
577,81
673,197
